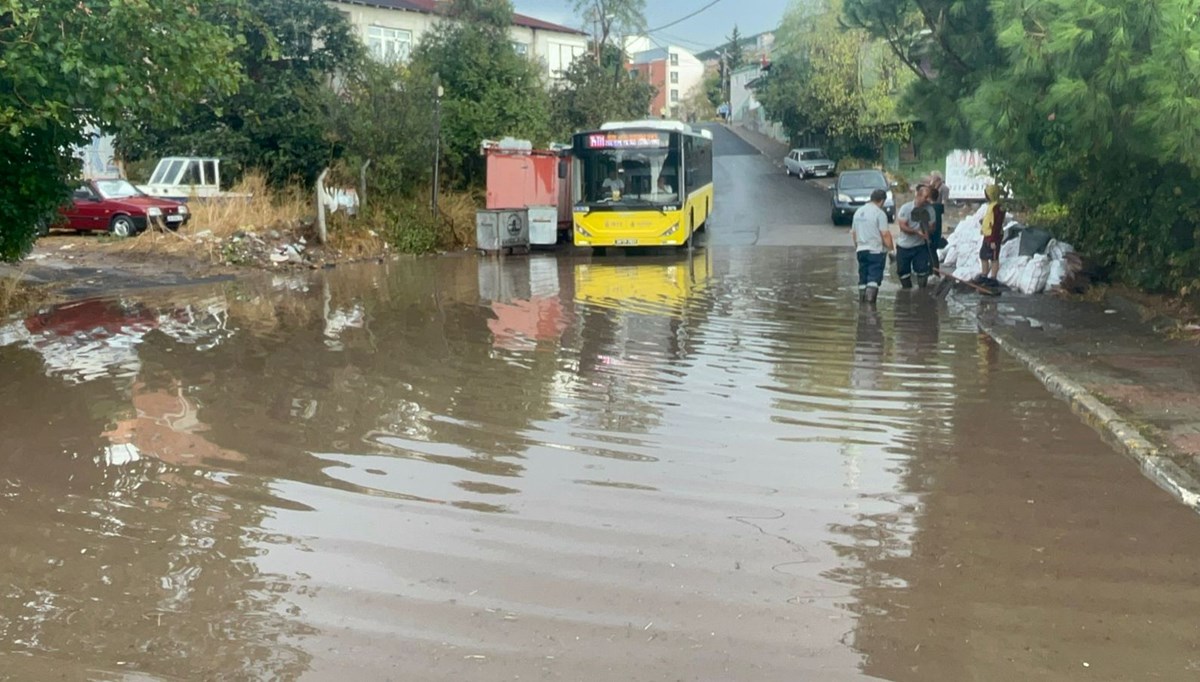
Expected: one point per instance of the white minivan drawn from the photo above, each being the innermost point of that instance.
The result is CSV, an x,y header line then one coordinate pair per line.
x,y
808,163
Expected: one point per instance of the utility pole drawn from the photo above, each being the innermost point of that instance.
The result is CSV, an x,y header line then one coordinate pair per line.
x,y
437,140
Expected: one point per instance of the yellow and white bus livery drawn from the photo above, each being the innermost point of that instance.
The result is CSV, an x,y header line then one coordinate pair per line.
x,y
641,183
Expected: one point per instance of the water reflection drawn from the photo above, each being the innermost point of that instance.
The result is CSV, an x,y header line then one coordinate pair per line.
x,y
458,456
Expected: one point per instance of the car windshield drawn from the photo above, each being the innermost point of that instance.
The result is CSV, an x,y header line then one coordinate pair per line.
x,y
631,177
811,154
116,189
862,181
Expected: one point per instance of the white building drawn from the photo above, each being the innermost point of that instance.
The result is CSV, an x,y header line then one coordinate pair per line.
x,y
744,108
674,72
391,28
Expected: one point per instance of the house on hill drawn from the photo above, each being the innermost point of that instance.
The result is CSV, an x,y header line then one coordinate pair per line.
x,y
391,28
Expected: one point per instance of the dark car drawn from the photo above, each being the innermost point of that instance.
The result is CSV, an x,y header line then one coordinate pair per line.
x,y
853,189
116,206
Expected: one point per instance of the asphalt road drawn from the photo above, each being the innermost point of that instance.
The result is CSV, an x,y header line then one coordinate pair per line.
x,y
757,204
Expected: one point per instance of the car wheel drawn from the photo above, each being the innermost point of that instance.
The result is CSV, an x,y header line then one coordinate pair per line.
x,y
121,226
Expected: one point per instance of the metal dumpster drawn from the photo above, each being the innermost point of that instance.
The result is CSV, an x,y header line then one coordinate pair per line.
x,y
543,225
499,229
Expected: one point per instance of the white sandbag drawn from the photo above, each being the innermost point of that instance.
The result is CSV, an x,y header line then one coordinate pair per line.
x,y
968,268
1034,275
1058,272
1011,269
959,243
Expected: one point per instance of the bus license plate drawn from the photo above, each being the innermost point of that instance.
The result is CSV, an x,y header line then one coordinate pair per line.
x,y
625,242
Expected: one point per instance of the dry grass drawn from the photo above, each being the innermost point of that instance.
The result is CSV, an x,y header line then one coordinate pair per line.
x,y
458,216
14,294
390,225
264,209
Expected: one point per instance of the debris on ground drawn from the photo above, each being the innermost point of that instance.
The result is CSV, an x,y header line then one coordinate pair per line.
x,y
1031,259
276,246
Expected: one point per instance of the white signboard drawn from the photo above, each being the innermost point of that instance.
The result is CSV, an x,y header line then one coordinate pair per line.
x,y
967,175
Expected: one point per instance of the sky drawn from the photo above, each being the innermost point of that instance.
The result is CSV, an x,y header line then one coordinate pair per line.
x,y
705,30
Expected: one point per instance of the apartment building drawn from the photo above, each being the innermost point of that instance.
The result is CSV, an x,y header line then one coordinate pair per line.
x,y
674,72
391,28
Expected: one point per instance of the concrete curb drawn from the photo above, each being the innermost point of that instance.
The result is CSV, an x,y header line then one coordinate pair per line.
x,y
1128,439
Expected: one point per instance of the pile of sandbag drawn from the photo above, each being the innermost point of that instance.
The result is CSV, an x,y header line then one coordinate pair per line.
x,y
1031,260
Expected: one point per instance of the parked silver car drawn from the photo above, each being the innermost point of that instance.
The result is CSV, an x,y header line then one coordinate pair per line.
x,y
808,163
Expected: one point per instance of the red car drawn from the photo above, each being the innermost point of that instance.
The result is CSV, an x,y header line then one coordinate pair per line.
x,y
118,207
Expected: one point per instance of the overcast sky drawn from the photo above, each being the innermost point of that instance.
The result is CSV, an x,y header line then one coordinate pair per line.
x,y
705,30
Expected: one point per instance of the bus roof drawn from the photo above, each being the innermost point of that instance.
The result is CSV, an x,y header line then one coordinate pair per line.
x,y
656,124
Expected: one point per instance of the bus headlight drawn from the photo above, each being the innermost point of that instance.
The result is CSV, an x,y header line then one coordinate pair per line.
x,y
672,230
581,231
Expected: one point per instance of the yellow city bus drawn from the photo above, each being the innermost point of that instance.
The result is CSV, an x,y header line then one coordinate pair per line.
x,y
641,183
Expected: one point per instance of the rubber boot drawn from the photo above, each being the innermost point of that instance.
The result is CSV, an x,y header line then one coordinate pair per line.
x,y
872,293
862,294
906,282
922,281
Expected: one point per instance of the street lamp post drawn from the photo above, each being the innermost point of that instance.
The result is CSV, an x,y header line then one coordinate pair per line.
x,y
437,141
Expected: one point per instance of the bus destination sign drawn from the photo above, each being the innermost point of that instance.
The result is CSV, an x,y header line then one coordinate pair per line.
x,y
628,140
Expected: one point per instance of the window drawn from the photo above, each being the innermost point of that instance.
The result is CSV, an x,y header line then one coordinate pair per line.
x,y
697,155
560,56
521,48
389,45
192,175
210,172
674,95
674,76
674,59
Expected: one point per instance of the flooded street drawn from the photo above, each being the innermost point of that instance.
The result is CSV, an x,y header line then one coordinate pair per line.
x,y
642,467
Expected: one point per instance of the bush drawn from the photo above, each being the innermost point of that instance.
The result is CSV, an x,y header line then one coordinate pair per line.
x,y
853,163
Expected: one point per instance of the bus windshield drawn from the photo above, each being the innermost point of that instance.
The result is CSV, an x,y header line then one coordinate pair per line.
x,y
645,173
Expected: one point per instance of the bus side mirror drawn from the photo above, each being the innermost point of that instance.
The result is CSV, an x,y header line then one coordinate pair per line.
x,y
562,169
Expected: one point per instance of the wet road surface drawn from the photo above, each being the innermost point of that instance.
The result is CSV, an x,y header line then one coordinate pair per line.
x,y
650,467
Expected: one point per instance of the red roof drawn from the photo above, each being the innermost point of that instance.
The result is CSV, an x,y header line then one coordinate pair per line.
x,y
437,7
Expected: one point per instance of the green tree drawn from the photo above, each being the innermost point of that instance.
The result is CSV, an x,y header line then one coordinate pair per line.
x,y
834,83
1089,109
946,44
714,88
387,118
590,94
611,19
735,56
490,90
279,120
66,64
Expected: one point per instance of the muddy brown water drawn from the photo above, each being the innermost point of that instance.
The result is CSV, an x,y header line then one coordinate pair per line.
x,y
632,468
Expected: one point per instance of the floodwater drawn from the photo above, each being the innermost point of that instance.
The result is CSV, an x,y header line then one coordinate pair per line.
x,y
663,467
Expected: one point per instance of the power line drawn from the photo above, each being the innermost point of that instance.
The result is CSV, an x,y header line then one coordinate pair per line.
x,y
702,47
683,19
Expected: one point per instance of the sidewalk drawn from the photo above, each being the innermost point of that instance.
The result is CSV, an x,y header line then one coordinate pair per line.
x,y
771,148
1133,384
